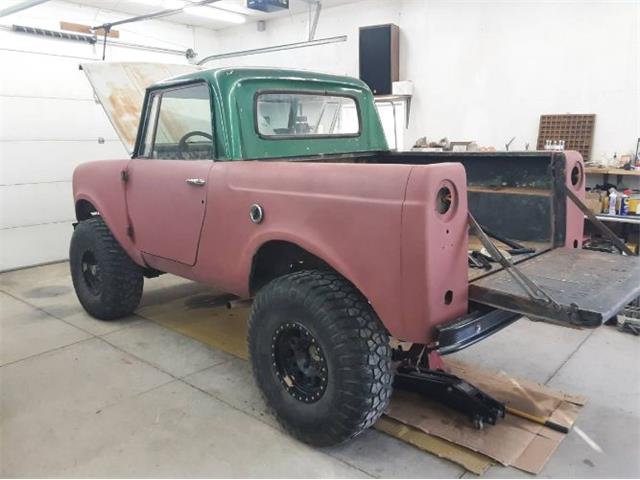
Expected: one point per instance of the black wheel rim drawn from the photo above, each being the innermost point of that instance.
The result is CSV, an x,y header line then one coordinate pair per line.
x,y
91,272
299,362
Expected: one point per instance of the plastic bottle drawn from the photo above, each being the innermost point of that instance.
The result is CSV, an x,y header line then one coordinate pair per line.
x,y
624,202
613,197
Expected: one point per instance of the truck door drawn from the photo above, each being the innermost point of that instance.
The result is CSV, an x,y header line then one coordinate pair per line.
x,y
166,189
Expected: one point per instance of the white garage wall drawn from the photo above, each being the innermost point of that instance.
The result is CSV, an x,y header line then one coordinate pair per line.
x,y
49,122
484,70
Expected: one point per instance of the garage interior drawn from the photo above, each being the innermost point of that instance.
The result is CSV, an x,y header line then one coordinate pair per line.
x,y
167,391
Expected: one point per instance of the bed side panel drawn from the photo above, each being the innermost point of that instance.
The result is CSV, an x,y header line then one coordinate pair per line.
x,y
434,251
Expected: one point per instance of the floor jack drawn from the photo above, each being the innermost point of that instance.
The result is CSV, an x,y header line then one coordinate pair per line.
x,y
423,372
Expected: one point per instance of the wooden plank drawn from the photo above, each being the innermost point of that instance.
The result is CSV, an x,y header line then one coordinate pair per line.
x,y
79,28
510,190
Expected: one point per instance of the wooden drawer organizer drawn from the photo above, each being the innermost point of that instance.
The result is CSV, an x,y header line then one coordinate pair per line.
x,y
575,129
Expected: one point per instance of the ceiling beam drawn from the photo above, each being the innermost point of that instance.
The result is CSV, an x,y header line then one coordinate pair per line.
x,y
18,7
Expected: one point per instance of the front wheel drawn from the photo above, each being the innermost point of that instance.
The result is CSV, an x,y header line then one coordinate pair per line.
x,y
320,355
107,282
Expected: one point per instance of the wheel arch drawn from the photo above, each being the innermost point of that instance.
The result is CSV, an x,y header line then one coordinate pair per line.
x,y
279,255
276,258
114,216
85,209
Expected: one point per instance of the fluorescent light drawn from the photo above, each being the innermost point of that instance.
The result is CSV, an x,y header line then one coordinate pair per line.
x,y
205,11
163,4
215,14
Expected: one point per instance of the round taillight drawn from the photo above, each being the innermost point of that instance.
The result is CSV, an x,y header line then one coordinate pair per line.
x,y
577,175
446,200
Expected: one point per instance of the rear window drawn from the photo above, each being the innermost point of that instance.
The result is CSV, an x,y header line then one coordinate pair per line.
x,y
294,114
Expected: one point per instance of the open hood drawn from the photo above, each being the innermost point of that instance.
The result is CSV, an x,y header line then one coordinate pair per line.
x,y
120,87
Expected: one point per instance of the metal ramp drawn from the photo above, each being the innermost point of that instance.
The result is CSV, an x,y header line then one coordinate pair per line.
x,y
587,288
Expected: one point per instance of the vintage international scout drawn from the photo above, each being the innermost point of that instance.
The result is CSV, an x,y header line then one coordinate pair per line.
x,y
278,185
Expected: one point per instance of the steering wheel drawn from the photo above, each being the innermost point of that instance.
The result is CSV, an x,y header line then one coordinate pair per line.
x,y
183,146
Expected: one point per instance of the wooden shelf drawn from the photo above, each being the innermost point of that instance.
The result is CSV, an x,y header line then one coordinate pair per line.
x,y
611,171
510,190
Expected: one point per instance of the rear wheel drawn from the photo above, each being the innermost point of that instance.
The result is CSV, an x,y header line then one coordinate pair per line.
x,y
320,355
107,282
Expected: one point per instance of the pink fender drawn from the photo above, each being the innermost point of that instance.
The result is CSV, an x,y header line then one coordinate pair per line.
x,y
100,183
434,247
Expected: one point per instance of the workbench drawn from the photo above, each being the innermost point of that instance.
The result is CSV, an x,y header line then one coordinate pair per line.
x,y
633,220
619,172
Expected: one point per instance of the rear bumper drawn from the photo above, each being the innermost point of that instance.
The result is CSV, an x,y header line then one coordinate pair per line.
x,y
472,328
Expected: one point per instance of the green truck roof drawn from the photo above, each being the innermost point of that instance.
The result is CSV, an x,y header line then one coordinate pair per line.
x,y
234,91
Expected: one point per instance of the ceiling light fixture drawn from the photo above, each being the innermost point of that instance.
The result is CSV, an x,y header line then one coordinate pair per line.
x,y
164,4
215,14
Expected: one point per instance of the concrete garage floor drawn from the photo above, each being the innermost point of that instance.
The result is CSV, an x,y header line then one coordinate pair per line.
x,y
81,397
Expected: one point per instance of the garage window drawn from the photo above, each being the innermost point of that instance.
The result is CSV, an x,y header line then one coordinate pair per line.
x,y
295,114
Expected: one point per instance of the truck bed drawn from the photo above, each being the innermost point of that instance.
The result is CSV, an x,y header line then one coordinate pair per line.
x,y
520,196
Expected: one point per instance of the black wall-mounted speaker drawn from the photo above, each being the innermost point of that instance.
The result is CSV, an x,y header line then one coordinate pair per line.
x,y
379,57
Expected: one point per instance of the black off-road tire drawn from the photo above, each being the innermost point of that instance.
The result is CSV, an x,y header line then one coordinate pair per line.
x,y
351,339
118,289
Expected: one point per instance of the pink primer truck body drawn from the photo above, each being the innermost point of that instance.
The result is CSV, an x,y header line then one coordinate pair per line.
x,y
279,186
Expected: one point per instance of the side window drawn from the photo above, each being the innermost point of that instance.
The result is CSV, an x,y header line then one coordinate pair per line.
x,y
180,125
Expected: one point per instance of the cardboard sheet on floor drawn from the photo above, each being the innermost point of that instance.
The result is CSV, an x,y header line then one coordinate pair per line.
x,y
512,441
426,425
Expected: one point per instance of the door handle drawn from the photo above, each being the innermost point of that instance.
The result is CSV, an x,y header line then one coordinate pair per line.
x,y
196,181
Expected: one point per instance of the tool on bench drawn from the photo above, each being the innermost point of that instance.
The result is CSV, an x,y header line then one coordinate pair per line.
x,y
516,248
479,260
536,419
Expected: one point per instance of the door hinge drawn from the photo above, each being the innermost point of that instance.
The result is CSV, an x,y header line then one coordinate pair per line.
x,y
124,175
